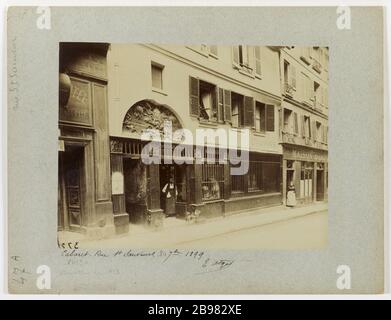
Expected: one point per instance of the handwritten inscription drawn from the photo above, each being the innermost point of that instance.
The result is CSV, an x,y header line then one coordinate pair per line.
x,y
204,261
13,84
19,273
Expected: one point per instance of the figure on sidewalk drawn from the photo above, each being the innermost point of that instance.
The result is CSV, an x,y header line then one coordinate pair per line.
x,y
171,194
291,195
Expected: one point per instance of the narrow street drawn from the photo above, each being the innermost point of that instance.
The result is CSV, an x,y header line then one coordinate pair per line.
x,y
307,232
265,228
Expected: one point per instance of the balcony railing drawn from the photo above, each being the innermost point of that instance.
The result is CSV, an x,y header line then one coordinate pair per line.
x,y
291,138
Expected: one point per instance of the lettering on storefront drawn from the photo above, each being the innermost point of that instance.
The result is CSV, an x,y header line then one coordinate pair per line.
x,y
90,64
305,155
78,108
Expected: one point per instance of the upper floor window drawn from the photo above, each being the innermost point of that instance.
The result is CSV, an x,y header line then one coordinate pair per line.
x,y
237,110
157,75
208,101
289,77
306,127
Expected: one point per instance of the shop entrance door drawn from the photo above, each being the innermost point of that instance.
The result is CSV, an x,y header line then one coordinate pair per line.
x,y
320,185
174,202
70,188
306,182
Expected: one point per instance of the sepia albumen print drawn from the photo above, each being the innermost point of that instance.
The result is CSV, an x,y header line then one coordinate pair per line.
x,y
198,146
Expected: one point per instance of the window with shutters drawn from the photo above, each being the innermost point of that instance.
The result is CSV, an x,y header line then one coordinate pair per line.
x,y
204,102
208,101
289,78
241,58
157,76
288,121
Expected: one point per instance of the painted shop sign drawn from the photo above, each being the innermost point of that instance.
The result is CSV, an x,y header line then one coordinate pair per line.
x,y
305,155
78,108
90,64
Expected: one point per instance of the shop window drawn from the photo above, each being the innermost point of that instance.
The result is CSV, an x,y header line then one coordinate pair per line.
x,y
262,176
157,76
306,177
255,176
271,175
212,181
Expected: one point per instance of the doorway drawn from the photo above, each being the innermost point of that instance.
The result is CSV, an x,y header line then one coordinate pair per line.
x,y
178,205
319,185
70,188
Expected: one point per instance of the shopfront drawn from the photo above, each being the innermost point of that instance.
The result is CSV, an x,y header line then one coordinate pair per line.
x,y
84,198
306,169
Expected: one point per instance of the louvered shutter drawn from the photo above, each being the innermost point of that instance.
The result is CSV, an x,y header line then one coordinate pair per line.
x,y
257,53
296,123
194,97
248,112
235,55
220,104
269,117
227,106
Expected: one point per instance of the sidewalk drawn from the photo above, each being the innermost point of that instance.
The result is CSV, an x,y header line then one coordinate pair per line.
x,y
179,232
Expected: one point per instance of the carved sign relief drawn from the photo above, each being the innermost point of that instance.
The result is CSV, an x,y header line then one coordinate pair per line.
x,y
146,115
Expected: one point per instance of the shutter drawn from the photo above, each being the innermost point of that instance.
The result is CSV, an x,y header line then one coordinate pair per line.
x,y
257,53
220,104
293,76
213,50
269,117
227,106
235,55
194,97
248,112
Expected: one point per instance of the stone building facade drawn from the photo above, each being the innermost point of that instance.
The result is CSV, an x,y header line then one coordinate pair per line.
x,y
110,95
304,127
